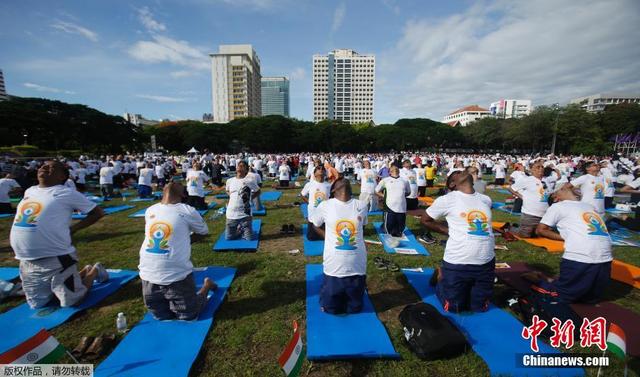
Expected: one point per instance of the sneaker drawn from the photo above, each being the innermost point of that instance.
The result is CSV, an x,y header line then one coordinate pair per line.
x,y
103,274
291,229
427,238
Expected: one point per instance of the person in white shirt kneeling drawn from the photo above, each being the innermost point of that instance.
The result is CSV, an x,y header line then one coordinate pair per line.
x,y
166,271
345,255
241,189
465,279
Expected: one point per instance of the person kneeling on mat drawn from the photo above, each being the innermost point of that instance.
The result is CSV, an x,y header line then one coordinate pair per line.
x,y
196,180
166,271
314,193
345,256
395,204
465,279
41,238
533,192
585,269
241,189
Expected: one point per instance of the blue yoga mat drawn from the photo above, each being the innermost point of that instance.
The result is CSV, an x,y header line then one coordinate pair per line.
x,y
95,198
151,199
616,211
311,248
9,273
268,196
222,196
500,206
494,335
167,348
107,211
503,191
6,215
223,244
203,212
139,213
413,243
332,337
258,212
25,322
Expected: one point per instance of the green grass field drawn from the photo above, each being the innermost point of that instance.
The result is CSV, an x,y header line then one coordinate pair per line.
x,y
254,323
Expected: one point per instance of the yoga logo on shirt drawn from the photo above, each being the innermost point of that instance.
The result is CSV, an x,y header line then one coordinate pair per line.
x,y
369,178
544,195
159,234
27,214
598,190
596,226
346,233
318,198
478,224
192,181
412,179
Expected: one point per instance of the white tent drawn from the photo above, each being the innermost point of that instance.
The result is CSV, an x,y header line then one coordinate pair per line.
x,y
192,150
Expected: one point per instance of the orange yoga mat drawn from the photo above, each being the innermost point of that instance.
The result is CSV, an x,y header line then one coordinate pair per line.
x,y
626,273
426,199
552,246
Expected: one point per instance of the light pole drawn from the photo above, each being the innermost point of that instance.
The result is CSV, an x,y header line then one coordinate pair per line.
x,y
556,106
25,135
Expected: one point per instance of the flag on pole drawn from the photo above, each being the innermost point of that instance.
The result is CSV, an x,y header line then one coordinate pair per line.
x,y
617,341
291,359
41,348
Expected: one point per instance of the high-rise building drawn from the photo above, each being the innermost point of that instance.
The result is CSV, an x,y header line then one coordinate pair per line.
x,y
344,86
275,96
235,80
464,116
3,91
510,108
598,102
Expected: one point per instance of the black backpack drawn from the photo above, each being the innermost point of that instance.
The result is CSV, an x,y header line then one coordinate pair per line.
x,y
429,334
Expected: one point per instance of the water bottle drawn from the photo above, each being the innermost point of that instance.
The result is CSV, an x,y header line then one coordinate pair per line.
x,y
121,323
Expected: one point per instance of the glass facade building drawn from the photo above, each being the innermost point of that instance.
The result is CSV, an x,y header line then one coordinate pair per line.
x,y
275,96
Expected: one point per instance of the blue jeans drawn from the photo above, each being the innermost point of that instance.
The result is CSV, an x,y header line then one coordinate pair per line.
x,y
239,228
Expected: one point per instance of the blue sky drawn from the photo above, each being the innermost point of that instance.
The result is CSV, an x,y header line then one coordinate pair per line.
x,y
151,57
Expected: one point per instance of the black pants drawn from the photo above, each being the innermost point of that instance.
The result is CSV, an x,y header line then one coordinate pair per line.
x,y
430,182
517,205
312,232
422,190
608,202
6,208
196,202
499,181
412,203
394,223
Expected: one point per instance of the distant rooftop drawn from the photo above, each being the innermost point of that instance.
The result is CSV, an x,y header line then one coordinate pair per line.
x,y
474,108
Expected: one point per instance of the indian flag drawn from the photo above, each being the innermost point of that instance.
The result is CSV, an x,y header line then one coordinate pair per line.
x,y
291,359
617,341
41,348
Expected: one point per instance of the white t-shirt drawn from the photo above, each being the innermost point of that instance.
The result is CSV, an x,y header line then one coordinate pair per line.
x,y
70,184
344,251
106,175
240,191
195,182
421,177
6,185
284,171
368,181
41,225
317,192
470,234
500,171
146,176
517,174
159,170
592,189
609,179
271,165
585,234
396,191
165,254
410,176
534,196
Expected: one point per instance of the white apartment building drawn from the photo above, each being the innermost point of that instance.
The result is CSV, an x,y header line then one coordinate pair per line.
x,y
597,102
511,108
344,86
3,91
464,116
235,82
139,120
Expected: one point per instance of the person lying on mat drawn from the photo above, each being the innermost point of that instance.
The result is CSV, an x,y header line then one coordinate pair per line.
x,y
395,190
168,286
196,180
465,279
41,239
345,256
533,192
585,269
314,193
241,189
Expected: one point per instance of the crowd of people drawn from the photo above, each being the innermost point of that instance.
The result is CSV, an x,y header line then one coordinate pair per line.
x,y
558,197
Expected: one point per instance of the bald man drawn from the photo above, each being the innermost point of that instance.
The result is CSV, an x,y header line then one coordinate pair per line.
x,y
168,286
41,239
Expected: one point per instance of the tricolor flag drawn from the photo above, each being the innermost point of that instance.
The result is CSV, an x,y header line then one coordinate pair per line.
x,y
617,341
291,359
41,348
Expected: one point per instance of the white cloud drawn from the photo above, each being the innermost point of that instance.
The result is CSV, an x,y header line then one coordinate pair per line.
x,y
164,49
338,17
298,74
391,4
72,28
181,74
42,88
164,99
544,50
147,20
251,4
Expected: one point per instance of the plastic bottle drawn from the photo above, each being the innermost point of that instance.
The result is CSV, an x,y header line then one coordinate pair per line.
x,y
121,323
